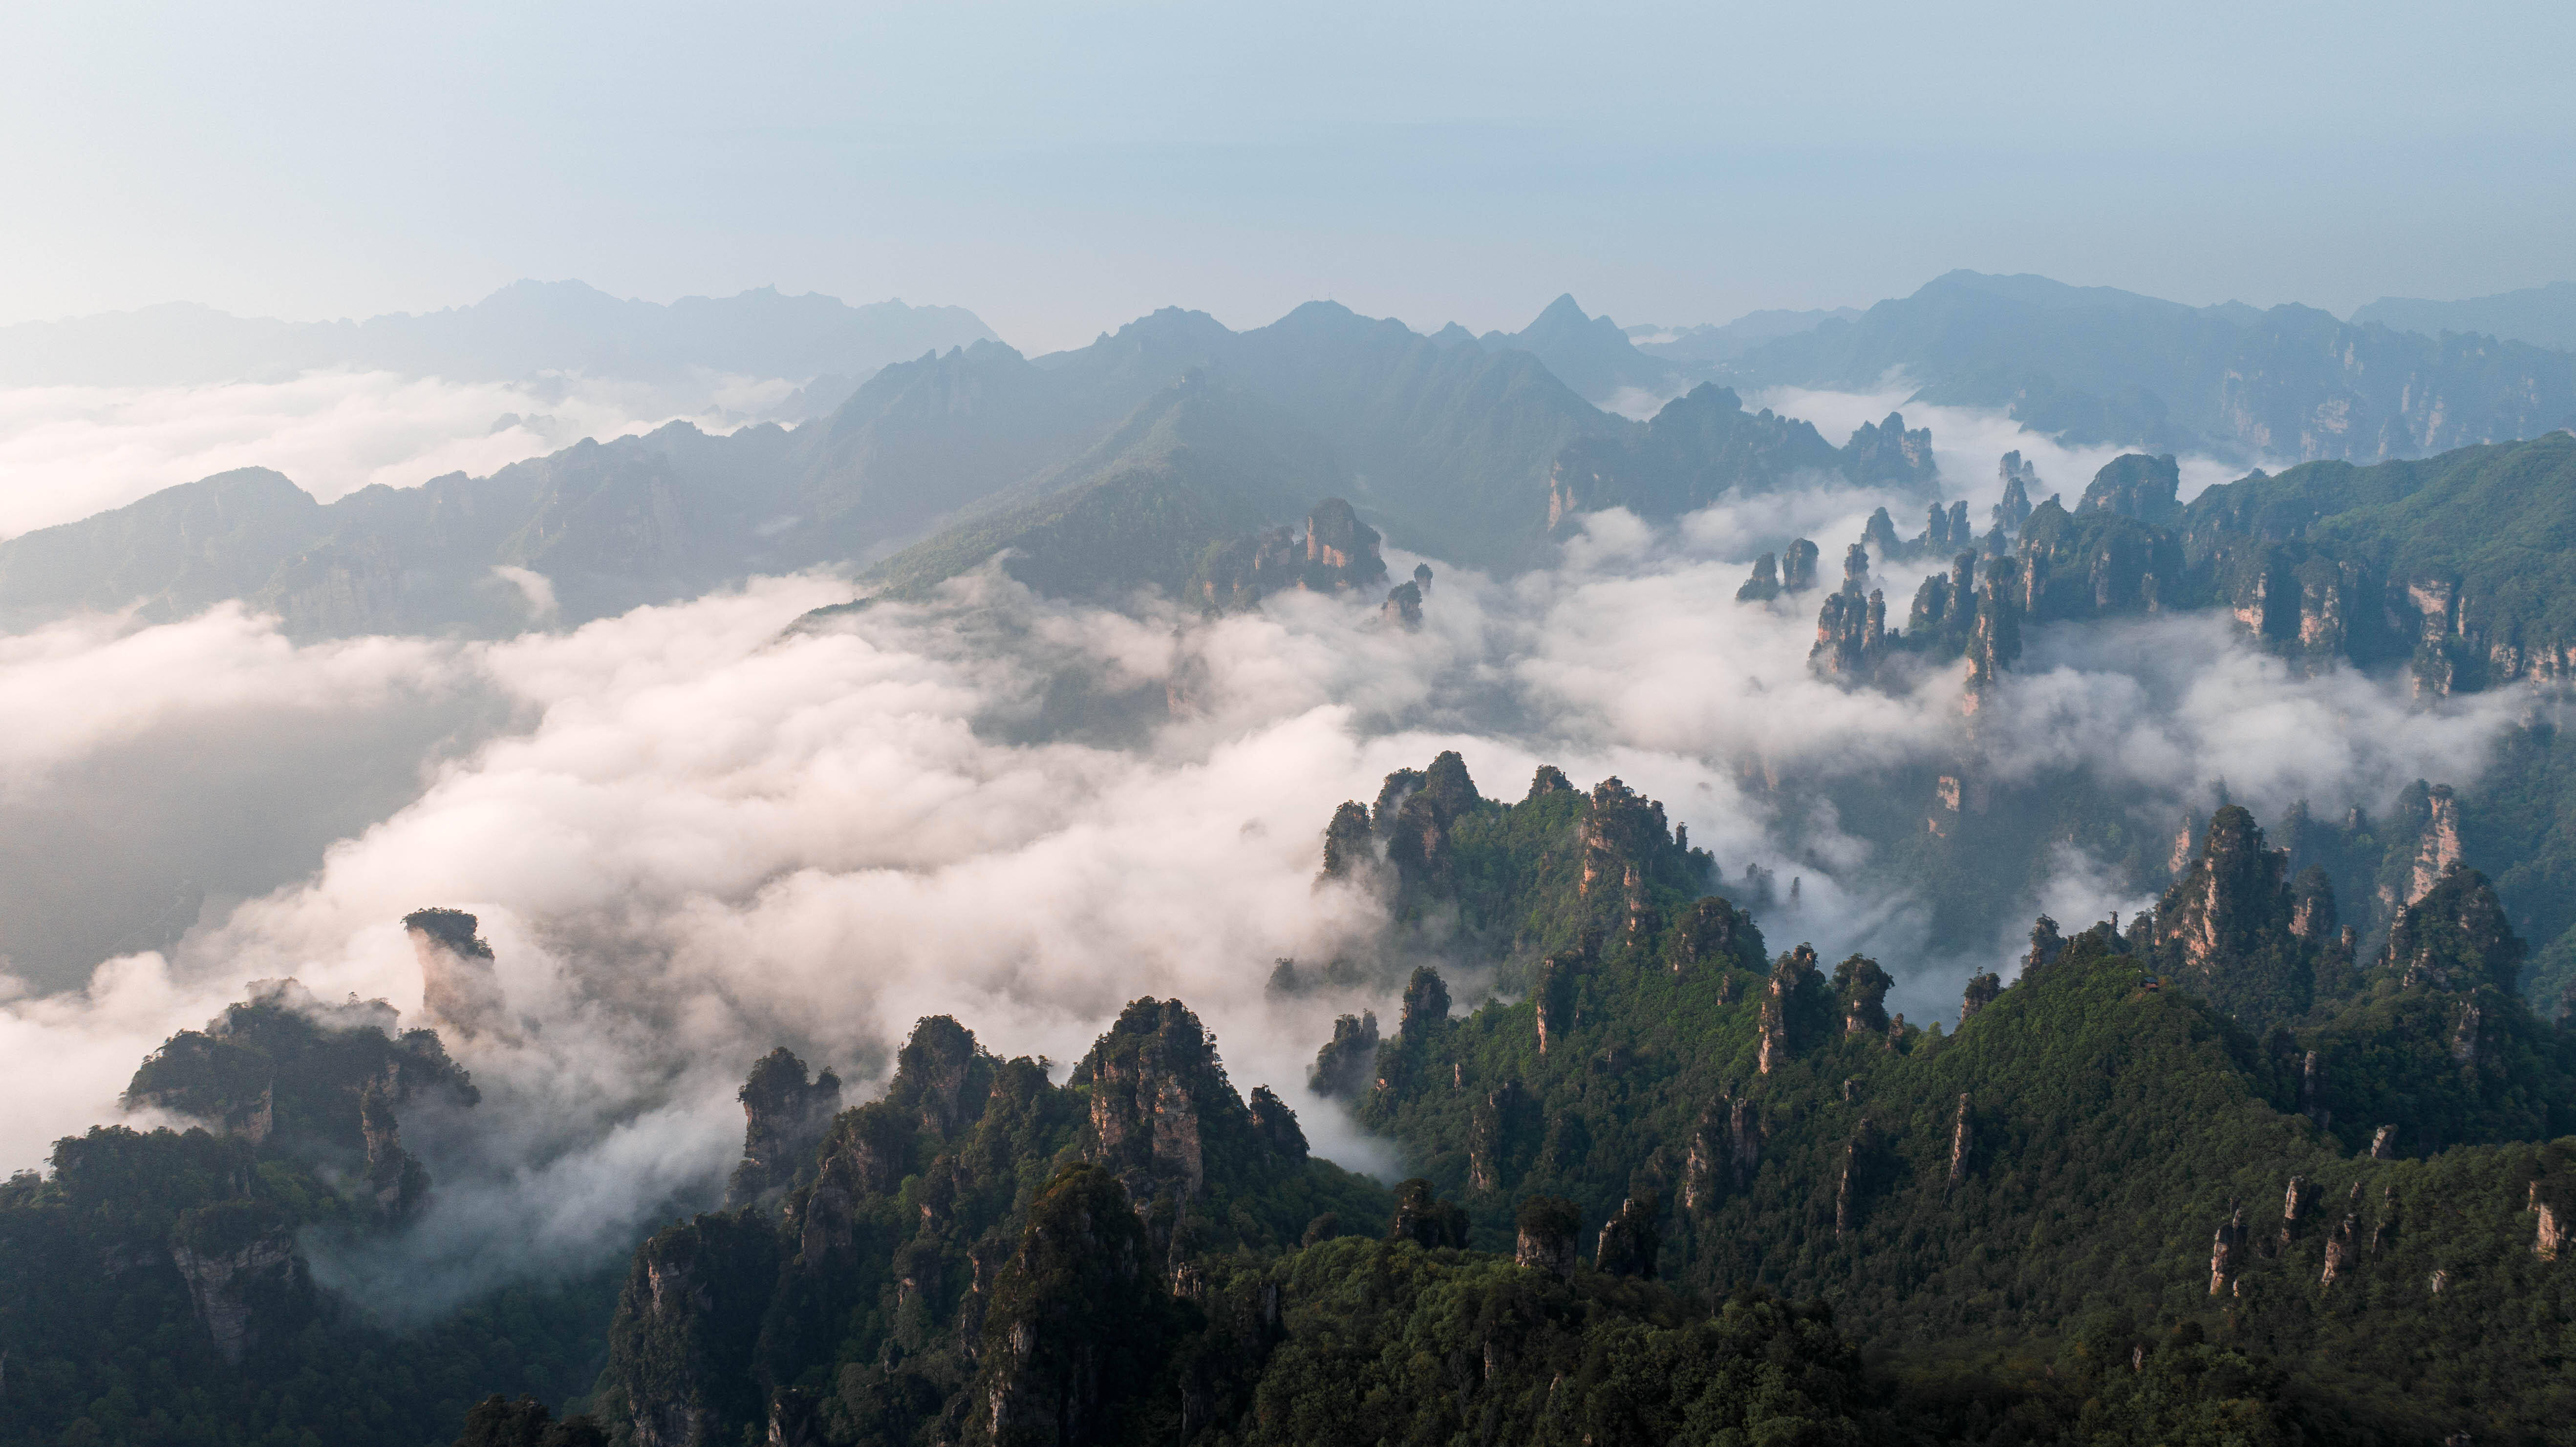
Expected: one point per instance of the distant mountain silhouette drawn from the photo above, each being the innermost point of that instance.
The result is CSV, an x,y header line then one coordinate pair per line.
x,y
525,328
1587,353
2097,365
2544,316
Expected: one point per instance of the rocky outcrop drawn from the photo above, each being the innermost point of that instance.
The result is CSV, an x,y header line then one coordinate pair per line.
x,y
1341,551
1156,1091
1426,1005
942,1077
1403,607
2297,1199
1425,1220
1276,1125
1242,571
1493,1124
459,990
686,1324
1983,990
2231,927
1944,612
2226,1253
1347,1062
292,1073
238,1260
1798,567
1349,846
2437,849
396,1183
1994,634
1962,1139
785,1115
1764,583
2312,908
1885,454
1414,815
1861,987
2020,479
1851,635
1630,1241
2383,1143
1547,1226
2343,1249
1554,997
1789,974
2455,937
1725,1150
1714,934
1076,1307
1620,840
2137,486
2549,1230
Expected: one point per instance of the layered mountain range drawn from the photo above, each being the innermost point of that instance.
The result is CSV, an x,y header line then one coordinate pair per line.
x,y
2098,365
1471,449
1210,433
526,329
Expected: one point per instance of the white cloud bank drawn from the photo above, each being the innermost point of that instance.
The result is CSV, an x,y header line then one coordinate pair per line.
x,y
68,452
693,835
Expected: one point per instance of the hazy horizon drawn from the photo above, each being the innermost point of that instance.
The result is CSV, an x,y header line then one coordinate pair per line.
x,y
1061,173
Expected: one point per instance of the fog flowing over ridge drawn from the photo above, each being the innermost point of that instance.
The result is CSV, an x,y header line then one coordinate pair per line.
x,y
695,832
69,451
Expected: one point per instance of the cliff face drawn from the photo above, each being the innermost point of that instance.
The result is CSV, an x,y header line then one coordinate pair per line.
x,y
458,989
1338,553
1077,1320
785,1115
244,1277
1697,448
961,1260
1885,454
2454,937
1156,1090
681,1350
2229,928
321,1082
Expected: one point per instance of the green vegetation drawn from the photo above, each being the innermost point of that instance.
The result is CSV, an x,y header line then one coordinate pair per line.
x,y
154,1289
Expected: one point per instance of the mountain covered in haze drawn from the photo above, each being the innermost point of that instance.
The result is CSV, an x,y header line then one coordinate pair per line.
x,y
2451,572
1711,342
2544,316
2097,365
1590,354
1458,451
525,329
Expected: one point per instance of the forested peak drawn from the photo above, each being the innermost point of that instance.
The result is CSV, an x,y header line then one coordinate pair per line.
x,y
784,1116
1447,785
942,1074
2138,486
1886,453
452,929
1163,1116
2456,937
1549,780
285,1065
2231,926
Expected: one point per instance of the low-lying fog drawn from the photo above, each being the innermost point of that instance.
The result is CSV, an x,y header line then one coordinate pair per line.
x,y
692,833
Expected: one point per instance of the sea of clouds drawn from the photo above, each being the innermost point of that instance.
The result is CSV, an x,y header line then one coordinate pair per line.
x,y
69,451
695,832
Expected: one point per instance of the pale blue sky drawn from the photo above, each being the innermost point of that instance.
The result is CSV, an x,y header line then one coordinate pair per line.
x,y
1061,168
